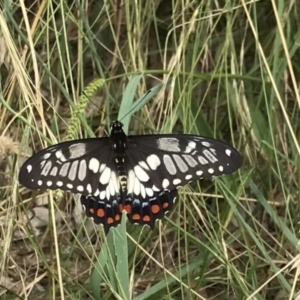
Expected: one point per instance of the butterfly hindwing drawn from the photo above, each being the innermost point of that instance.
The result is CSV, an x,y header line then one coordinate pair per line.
x,y
146,210
139,210
104,212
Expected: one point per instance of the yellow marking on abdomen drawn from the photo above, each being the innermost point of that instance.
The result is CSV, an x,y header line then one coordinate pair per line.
x,y
123,182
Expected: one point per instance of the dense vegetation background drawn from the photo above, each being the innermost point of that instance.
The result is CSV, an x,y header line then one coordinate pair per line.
x,y
225,69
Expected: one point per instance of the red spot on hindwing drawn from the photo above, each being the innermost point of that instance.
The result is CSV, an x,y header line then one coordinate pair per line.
x,y
100,212
127,208
146,218
110,220
155,208
136,217
165,205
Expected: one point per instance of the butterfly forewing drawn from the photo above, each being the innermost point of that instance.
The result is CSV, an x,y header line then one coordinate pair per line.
x,y
165,162
81,166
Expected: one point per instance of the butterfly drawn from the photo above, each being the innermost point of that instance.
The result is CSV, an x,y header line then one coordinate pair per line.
x,y
138,174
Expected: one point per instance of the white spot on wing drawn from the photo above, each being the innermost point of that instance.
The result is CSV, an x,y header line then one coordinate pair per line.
x,y
69,185
153,161
190,147
144,165
49,183
176,181
199,173
212,150
64,169
80,188
59,155
228,152
47,155
82,170
40,182
59,183
155,188
210,156
73,170
105,176
136,187
169,164
113,179
143,191
89,188
221,169
202,160
141,174
112,190
165,183
136,202
46,168
149,192
29,168
168,144
190,160
102,195
211,171
102,167
188,177
77,150
180,163
54,171
94,165
205,144
130,182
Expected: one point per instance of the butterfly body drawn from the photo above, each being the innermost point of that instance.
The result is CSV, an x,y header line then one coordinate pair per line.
x,y
137,174
119,146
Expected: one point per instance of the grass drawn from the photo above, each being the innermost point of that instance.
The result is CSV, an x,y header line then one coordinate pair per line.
x,y
228,70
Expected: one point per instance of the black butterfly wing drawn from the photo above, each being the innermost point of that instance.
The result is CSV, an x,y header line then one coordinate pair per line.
x,y
103,211
80,166
146,209
169,161
158,164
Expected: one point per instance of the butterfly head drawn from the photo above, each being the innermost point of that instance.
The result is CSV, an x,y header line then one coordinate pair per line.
x,y
116,125
116,130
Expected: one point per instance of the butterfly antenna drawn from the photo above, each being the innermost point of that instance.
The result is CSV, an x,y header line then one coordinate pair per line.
x,y
101,110
135,105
